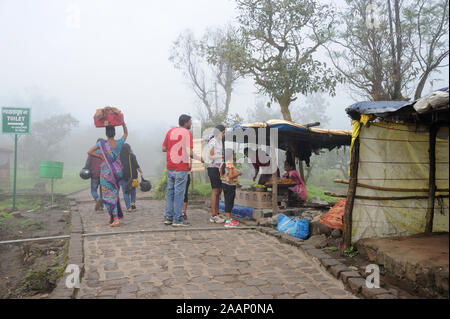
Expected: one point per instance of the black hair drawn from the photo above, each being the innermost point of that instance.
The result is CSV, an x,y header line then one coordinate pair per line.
x,y
183,119
125,152
110,131
289,160
126,148
246,150
220,127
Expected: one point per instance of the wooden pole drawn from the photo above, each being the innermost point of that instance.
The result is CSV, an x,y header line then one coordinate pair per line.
x,y
351,192
273,158
384,198
391,189
301,170
432,180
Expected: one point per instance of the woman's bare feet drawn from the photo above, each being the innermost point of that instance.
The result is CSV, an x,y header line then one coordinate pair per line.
x,y
97,205
115,223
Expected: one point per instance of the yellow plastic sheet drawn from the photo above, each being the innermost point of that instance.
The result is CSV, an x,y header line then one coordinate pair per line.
x,y
396,156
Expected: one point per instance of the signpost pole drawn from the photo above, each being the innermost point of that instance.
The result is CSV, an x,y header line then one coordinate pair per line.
x,y
52,191
15,173
15,121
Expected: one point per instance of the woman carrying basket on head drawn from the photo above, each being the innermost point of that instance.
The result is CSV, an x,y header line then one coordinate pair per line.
x,y
111,172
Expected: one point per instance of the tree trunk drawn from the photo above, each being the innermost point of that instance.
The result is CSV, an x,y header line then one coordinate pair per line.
x,y
421,85
398,74
284,105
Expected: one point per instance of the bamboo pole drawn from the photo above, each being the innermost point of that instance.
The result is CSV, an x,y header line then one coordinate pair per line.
x,y
274,175
432,180
384,198
301,170
390,189
351,192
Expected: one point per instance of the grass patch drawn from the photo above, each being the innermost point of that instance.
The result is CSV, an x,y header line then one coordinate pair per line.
x,y
22,203
70,183
314,191
202,189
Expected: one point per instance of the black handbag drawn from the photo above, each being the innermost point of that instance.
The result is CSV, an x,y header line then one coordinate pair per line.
x,y
146,186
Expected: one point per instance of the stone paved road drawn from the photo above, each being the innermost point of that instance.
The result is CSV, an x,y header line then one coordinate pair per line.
x,y
194,264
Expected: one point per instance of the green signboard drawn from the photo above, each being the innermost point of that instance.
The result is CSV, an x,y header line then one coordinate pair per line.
x,y
15,120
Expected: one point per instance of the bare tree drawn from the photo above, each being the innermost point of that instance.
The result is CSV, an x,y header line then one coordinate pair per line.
x,y
430,41
381,55
212,83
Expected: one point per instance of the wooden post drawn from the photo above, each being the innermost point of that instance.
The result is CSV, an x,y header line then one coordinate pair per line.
x,y
351,192
301,170
274,175
431,180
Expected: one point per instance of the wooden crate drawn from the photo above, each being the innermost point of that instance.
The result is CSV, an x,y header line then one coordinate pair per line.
x,y
252,199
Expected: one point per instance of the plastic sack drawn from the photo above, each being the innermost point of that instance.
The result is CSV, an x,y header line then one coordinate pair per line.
x,y
333,219
293,226
239,211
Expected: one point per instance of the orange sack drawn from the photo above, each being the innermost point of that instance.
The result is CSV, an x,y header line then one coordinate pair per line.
x,y
333,219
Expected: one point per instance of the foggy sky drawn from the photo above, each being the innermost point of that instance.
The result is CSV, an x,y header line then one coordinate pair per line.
x,y
116,54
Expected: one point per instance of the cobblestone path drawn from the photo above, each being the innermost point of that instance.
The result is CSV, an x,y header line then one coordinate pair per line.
x,y
191,263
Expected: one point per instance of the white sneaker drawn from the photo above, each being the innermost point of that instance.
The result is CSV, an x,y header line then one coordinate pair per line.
x,y
217,219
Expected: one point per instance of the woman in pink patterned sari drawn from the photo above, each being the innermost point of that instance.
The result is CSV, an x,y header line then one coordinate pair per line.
x,y
299,190
111,173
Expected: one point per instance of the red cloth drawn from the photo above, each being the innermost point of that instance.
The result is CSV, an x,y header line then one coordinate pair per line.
x,y
108,117
178,141
94,164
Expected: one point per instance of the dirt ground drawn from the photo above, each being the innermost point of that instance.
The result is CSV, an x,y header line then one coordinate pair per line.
x,y
30,270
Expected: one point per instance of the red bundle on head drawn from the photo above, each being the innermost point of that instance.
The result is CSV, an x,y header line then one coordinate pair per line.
x,y
108,116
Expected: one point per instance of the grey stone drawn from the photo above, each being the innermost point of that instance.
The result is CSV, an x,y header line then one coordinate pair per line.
x,y
372,292
318,241
317,253
336,233
356,284
317,228
349,274
336,270
328,262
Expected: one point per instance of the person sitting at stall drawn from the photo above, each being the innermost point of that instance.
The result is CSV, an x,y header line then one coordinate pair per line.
x,y
297,192
257,164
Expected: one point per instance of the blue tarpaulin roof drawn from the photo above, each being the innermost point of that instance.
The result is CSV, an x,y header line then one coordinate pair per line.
x,y
369,107
374,107
286,126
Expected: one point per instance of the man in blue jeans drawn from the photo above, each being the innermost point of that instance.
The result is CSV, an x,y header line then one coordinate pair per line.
x,y
94,163
178,145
